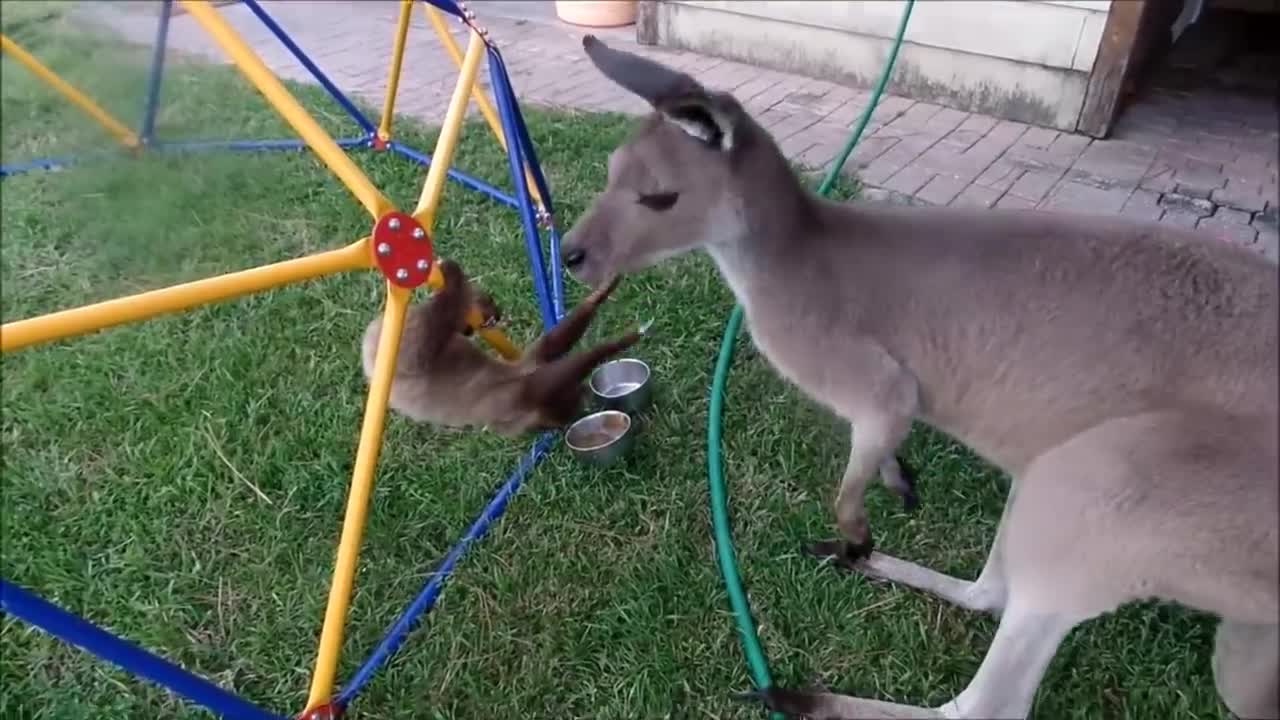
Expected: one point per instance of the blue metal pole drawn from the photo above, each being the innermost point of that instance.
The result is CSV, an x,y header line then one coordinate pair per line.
x,y
448,6
194,145
426,598
533,244
557,281
540,181
29,165
284,144
157,71
77,631
468,180
529,150
320,77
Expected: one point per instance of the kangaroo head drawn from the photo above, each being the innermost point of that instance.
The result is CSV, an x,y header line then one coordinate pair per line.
x,y
677,183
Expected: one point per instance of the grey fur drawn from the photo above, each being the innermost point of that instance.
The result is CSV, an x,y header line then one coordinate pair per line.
x,y
1123,373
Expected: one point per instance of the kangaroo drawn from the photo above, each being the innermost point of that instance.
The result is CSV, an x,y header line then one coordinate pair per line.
x,y
1124,374
443,378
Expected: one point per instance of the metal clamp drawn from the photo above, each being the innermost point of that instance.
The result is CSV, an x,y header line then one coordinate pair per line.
x,y
469,19
545,220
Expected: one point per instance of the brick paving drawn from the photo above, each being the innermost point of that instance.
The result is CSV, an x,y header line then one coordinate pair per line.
x,y
1204,160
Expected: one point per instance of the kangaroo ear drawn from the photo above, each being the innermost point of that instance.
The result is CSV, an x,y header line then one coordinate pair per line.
x,y
705,115
652,81
709,118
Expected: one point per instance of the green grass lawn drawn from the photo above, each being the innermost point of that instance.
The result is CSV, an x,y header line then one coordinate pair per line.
x,y
127,456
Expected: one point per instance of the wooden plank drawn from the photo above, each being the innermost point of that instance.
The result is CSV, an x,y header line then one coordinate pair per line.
x,y
1106,80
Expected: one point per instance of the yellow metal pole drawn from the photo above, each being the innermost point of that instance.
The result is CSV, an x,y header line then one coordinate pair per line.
x,y
288,107
126,136
499,342
353,523
442,157
393,75
81,320
482,102
494,337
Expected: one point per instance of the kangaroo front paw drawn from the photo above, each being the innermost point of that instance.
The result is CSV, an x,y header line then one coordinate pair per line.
x,y
791,703
841,553
851,520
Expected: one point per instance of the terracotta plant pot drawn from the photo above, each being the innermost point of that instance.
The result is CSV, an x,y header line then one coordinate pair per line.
x,y
597,13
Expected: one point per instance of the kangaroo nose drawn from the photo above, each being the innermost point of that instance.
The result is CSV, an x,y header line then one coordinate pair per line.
x,y
575,257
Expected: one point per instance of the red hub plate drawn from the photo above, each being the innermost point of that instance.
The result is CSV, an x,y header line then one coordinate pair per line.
x,y
402,249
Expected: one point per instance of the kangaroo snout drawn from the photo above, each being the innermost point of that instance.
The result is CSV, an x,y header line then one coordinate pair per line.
x,y
583,265
574,258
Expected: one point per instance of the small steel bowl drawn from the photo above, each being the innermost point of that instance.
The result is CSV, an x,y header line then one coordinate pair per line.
x,y
601,437
622,384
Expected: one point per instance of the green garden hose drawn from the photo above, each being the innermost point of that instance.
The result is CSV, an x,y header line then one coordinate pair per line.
x,y
756,662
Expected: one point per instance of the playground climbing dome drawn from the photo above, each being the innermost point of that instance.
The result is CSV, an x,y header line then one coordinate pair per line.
x,y
398,245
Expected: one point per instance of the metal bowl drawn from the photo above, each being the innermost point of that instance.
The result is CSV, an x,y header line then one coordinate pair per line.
x,y
622,384
601,437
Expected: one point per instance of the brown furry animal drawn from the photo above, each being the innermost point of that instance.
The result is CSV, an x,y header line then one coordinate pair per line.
x,y
442,378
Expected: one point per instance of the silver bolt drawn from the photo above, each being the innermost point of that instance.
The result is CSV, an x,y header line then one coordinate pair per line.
x,y
402,274
384,248
394,223
423,264
419,233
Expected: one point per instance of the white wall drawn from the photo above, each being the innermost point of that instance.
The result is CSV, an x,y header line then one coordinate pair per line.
x,y
1054,33
1024,59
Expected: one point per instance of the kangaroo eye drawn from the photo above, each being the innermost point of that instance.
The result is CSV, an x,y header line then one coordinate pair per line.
x,y
659,201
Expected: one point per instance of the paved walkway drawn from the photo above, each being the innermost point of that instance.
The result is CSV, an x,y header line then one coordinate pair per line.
x,y
1199,160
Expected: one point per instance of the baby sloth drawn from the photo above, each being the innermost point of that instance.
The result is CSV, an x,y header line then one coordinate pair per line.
x,y
442,378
